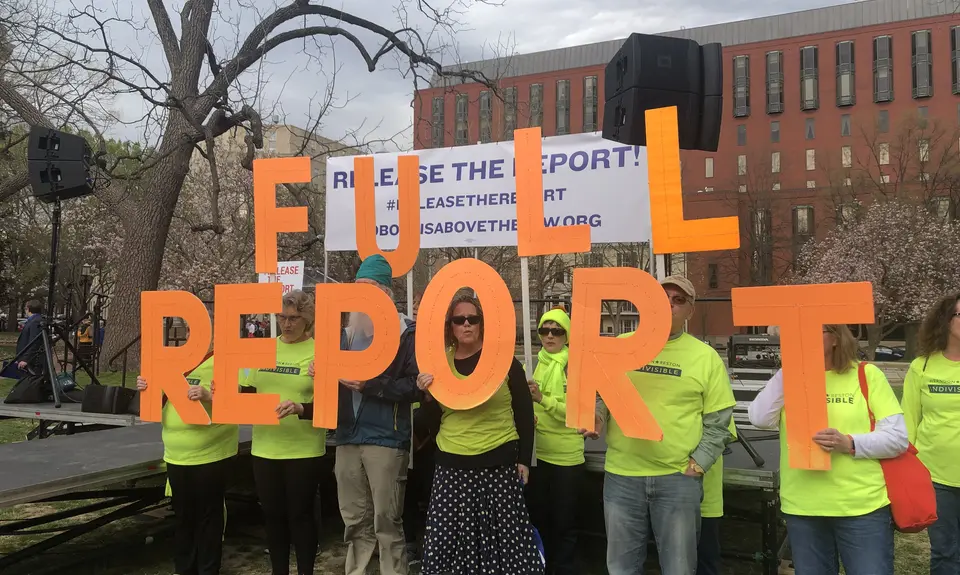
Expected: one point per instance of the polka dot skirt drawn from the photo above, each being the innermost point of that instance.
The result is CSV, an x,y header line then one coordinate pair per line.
x,y
478,524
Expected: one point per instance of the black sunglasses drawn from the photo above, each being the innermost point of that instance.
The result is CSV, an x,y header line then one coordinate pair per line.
x,y
554,331
466,319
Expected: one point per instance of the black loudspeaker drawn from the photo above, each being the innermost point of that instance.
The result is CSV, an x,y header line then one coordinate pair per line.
x,y
59,165
650,72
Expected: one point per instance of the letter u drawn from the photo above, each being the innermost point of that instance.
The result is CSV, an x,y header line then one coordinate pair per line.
x,y
404,257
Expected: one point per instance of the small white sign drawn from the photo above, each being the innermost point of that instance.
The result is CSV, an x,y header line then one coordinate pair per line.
x,y
290,274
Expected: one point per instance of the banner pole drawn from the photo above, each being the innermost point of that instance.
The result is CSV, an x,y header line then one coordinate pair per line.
x,y
525,297
410,294
326,264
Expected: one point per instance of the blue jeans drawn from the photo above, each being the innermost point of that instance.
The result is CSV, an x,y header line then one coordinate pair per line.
x,y
864,544
670,504
945,533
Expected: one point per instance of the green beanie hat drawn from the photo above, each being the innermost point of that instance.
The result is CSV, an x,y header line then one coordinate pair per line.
x,y
376,268
560,317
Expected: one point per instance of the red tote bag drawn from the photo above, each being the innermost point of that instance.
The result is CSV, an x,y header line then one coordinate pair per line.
x,y
913,501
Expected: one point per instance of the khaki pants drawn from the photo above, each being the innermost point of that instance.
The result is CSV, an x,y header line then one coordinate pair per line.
x,y
370,486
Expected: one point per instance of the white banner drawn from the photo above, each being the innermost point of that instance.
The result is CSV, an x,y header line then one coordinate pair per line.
x,y
290,274
468,194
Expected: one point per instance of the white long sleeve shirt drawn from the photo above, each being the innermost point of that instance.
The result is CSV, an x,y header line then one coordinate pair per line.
x,y
888,440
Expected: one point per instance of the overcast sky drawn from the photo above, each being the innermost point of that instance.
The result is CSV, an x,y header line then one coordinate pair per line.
x,y
379,102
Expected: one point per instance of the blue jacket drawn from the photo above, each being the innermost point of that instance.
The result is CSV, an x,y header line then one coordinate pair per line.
x,y
384,415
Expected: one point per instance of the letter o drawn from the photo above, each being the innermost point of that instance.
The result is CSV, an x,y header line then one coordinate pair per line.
x,y
499,333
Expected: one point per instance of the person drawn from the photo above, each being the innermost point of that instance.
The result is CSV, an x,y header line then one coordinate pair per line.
x,y
286,457
659,484
840,515
373,441
555,480
29,344
709,558
199,461
85,332
477,521
931,410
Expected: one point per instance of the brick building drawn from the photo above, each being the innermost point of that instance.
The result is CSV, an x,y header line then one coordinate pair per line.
x,y
823,108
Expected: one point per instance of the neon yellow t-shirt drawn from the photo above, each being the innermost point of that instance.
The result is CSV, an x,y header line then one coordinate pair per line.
x,y
851,487
186,444
712,504
686,380
481,429
294,438
931,409
556,443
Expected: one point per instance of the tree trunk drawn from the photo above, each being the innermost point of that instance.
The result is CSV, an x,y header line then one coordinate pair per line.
x,y
874,333
145,236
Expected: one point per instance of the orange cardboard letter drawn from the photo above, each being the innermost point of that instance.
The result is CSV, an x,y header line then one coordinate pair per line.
x,y
600,364
499,333
671,233
404,257
269,220
801,312
332,363
234,353
164,366
533,238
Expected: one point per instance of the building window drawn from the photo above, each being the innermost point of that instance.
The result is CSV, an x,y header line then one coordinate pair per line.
x,y
761,256
590,104
885,178
436,118
802,221
883,69
924,150
844,125
536,105
922,64
776,186
883,122
742,165
741,86
272,141
811,160
509,112
846,156
955,58
810,129
708,167
714,281
884,154
742,135
462,133
775,132
809,78
941,207
846,72
486,117
774,82
563,107
775,162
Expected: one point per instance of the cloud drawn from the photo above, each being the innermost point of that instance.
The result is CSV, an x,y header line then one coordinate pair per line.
x,y
378,104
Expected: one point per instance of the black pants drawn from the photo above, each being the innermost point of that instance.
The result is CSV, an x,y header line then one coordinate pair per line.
x,y
287,489
198,492
708,552
417,495
552,499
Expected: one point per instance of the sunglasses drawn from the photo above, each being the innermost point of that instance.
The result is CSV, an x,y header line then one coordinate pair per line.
x,y
554,331
466,319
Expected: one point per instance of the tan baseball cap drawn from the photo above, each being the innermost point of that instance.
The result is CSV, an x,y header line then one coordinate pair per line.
x,y
681,282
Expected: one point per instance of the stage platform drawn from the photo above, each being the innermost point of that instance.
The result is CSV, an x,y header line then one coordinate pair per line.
x,y
67,412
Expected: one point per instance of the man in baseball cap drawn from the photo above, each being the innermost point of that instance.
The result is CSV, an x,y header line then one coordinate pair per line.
x,y
659,484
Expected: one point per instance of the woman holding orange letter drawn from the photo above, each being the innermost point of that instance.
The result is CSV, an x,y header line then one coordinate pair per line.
x,y
840,515
931,408
477,521
286,457
198,459
555,481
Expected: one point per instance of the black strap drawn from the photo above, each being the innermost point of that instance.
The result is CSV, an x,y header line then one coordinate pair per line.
x,y
925,360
